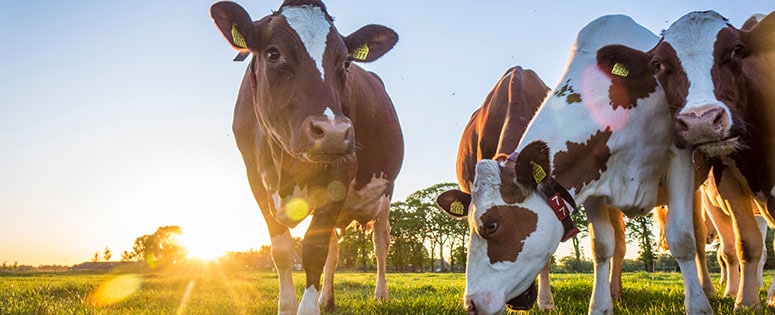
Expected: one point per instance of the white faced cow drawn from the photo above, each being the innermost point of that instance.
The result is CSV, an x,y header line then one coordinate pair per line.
x,y
718,80
605,134
306,124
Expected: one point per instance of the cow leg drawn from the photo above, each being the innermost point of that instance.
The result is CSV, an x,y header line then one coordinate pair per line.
x,y
282,254
602,238
381,238
733,188
699,233
327,294
730,272
314,253
545,298
771,291
620,249
680,234
763,231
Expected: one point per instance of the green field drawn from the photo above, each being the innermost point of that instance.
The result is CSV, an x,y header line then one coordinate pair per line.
x,y
215,291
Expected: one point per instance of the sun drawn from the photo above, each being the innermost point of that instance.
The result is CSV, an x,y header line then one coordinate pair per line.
x,y
201,247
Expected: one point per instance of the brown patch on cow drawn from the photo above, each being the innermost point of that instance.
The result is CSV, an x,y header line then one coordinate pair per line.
x,y
671,75
729,81
583,163
510,190
514,225
639,82
570,95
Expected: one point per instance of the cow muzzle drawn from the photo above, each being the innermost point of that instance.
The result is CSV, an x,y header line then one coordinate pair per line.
x,y
329,138
706,129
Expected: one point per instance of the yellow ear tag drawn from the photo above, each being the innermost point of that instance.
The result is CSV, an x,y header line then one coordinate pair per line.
x,y
361,53
237,38
457,208
620,70
538,172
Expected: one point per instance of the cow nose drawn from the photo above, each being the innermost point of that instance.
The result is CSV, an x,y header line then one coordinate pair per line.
x,y
703,124
471,309
331,136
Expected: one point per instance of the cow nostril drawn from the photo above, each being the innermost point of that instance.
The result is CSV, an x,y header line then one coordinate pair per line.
x,y
316,132
471,307
681,125
720,120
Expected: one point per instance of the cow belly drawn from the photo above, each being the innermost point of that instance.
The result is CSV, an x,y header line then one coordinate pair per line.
x,y
365,204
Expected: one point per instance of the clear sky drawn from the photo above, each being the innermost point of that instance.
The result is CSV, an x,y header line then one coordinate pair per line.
x,y
115,116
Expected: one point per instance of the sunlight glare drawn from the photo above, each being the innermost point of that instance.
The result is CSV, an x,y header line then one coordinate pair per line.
x,y
201,247
114,290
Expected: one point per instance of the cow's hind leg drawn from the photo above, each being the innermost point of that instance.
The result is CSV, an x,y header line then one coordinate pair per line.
x,y
282,254
381,237
620,249
327,293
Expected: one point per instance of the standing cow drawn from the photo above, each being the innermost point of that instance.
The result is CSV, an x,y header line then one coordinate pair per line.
x,y
718,79
493,132
607,135
305,124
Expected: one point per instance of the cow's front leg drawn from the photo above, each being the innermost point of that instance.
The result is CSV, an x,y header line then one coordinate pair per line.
x,y
545,298
381,239
603,241
327,294
282,254
620,249
314,253
679,229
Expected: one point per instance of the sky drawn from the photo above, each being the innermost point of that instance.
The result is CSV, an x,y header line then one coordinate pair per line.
x,y
115,116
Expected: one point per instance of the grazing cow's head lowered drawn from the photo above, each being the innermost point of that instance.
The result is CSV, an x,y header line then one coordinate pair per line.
x,y
299,73
698,61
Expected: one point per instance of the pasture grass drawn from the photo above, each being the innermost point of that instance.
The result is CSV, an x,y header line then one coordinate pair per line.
x,y
212,290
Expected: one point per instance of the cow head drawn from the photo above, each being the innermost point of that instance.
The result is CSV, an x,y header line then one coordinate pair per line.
x,y
514,229
698,62
299,73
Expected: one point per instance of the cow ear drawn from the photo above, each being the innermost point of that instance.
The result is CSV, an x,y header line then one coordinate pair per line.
x,y
370,42
454,203
236,25
532,164
761,39
629,71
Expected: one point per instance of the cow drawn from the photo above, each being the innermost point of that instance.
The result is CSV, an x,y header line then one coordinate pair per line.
x,y
718,81
607,135
304,124
492,133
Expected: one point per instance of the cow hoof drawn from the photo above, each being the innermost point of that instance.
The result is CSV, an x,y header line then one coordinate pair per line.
x,y
741,307
546,307
327,303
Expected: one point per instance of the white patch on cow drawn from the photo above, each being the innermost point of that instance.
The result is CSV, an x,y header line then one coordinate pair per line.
x,y
693,38
367,197
309,302
329,113
311,25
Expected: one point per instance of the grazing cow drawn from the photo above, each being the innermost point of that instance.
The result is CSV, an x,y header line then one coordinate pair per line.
x,y
493,132
607,135
718,81
304,123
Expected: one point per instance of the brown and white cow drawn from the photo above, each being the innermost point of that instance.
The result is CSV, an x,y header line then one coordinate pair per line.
x,y
607,136
304,123
718,81
493,132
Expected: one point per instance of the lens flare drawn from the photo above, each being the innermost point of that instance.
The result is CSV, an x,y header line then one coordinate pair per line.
x,y
297,209
337,191
114,290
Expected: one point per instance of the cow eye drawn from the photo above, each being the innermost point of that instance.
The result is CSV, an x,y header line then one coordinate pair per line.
x,y
489,228
272,54
347,64
738,51
656,65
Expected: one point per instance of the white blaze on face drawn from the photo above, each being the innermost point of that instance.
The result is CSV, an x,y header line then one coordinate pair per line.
x,y
693,38
311,25
329,113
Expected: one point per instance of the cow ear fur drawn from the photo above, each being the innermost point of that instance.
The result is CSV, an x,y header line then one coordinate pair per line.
x,y
761,39
629,71
370,42
236,25
454,203
532,164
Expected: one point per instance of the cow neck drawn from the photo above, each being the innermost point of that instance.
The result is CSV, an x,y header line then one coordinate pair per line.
x,y
556,196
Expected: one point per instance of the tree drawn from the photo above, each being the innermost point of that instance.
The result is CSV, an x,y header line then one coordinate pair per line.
x,y
107,254
96,256
126,256
356,249
580,220
406,252
160,248
436,226
638,230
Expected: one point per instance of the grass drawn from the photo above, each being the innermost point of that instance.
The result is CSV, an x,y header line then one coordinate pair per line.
x,y
215,291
